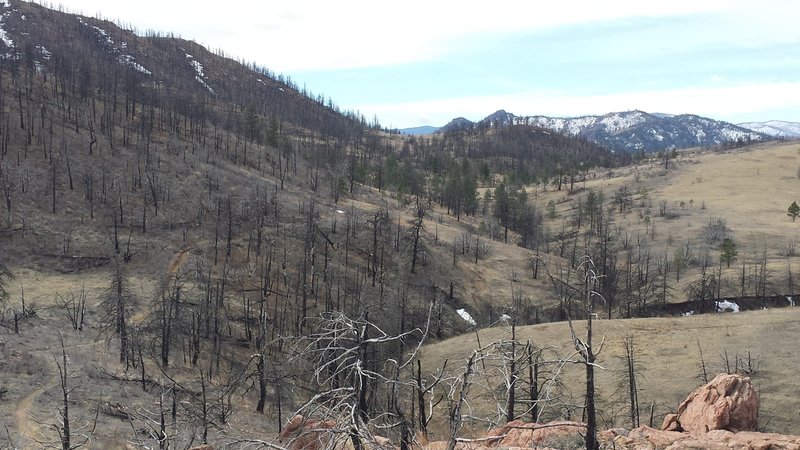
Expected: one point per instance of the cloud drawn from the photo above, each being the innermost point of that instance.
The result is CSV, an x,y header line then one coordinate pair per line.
x,y
305,35
732,102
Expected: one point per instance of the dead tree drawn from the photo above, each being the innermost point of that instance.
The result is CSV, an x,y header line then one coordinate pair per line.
x,y
117,305
586,350
343,353
64,427
458,395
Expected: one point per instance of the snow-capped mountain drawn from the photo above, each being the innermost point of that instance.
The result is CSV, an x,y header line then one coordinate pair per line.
x,y
632,130
775,128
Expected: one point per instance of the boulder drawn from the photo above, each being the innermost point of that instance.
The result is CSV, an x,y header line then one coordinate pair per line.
x,y
728,402
530,435
307,434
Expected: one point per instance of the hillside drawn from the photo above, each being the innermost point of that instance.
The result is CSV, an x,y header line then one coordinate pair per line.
x,y
186,223
205,249
668,361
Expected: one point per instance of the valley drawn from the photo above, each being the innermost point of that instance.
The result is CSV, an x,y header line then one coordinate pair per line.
x,y
194,249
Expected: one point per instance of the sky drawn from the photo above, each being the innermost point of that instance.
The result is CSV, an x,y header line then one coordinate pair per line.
x,y
425,62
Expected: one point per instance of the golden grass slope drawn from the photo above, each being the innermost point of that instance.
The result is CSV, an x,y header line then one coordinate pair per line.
x,y
669,354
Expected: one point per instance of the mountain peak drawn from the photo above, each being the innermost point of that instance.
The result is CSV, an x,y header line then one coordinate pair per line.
x,y
634,130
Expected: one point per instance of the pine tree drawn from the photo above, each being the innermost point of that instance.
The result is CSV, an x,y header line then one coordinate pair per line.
x,y
729,252
794,210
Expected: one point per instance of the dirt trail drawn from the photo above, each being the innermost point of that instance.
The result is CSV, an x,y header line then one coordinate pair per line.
x,y
28,429
175,264
179,260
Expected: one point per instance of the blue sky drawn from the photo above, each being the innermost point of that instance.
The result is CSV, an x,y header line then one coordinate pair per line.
x,y
425,62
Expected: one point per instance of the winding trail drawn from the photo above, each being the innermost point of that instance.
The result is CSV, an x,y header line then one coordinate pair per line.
x,y
28,429
175,264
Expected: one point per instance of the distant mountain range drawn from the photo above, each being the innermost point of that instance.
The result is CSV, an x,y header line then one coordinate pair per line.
x,y
775,128
417,131
637,130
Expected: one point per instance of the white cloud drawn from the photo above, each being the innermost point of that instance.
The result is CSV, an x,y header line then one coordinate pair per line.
x,y
299,35
733,102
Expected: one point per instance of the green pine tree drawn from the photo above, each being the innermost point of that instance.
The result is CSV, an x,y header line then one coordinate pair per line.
x,y
794,210
729,252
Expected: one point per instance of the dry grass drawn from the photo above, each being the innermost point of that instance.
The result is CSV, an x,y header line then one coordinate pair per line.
x,y
669,354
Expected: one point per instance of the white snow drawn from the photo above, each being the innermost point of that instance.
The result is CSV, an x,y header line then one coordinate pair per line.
x,y
465,315
198,69
5,3
725,305
103,34
129,60
616,122
505,317
790,300
775,128
3,35
340,211
688,313
45,52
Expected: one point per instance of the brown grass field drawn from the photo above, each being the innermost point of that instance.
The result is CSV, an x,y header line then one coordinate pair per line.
x,y
669,354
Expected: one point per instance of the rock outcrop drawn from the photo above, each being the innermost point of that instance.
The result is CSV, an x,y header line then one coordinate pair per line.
x,y
650,438
728,402
306,434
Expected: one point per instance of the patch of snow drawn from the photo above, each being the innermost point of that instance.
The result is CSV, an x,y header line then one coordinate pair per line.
x,y
465,315
103,33
774,128
129,61
505,317
5,3
688,313
616,122
340,211
45,52
790,300
198,69
3,35
725,305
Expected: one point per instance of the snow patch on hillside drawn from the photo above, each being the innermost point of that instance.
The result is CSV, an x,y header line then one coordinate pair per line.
x,y
774,128
104,37
129,61
198,69
3,35
614,123
466,316
725,305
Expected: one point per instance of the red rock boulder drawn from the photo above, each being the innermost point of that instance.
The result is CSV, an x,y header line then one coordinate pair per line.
x,y
728,402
